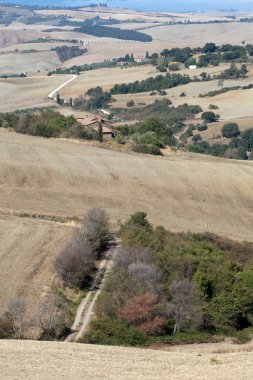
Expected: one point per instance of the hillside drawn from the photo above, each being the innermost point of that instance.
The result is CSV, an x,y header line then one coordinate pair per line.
x,y
53,177
47,360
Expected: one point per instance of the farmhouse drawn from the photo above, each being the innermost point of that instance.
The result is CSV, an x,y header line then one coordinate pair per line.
x,y
94,124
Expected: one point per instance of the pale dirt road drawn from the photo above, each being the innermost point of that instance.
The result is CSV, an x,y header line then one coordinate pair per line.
x,y
53,93
85,311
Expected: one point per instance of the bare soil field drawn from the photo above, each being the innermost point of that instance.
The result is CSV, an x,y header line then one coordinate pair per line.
x,y
59,178
47,360
28,92
28,247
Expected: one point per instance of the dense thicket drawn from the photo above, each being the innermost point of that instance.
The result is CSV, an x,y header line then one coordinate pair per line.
x,y
166,286
157,131
67,52
46,123
106,31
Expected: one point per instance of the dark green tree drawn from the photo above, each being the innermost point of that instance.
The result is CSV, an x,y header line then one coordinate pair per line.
x,y
100,132
230,130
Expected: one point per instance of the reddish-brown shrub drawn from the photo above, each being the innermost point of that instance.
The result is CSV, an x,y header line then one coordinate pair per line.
x,y
143,311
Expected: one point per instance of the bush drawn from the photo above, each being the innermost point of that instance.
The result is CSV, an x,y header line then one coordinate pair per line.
x,y
174,67
230,130
196,138
202,127
113,332
143,312
242,337
147,149
130,103
45,130
209,117
213,107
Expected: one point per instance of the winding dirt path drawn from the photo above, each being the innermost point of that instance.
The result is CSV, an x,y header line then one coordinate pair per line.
x,y
85,311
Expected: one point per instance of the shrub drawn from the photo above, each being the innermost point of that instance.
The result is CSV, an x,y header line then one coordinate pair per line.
x,y
143,312
230,130
174,67
45,130
202,127
113,332
209,117
130,103
196,138
147,149
213,107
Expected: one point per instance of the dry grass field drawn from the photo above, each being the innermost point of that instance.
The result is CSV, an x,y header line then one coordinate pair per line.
x,y
28,92
106,78
53,360
28,248
52,177
15,63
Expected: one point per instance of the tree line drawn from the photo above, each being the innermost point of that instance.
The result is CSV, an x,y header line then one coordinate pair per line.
x,y
121,34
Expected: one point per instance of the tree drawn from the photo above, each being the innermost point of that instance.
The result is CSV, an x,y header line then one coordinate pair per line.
x,y
16,312
209,47
76,260
148,276
185,307
197,138
144,312
58,99
230,130
139,218
209,117
53,316
95,229
74,263
100,132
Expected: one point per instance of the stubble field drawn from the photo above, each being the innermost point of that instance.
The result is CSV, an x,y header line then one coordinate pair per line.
x,y
47,360
53,177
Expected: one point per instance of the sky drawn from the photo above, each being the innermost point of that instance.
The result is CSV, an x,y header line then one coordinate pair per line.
x,y
153,5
